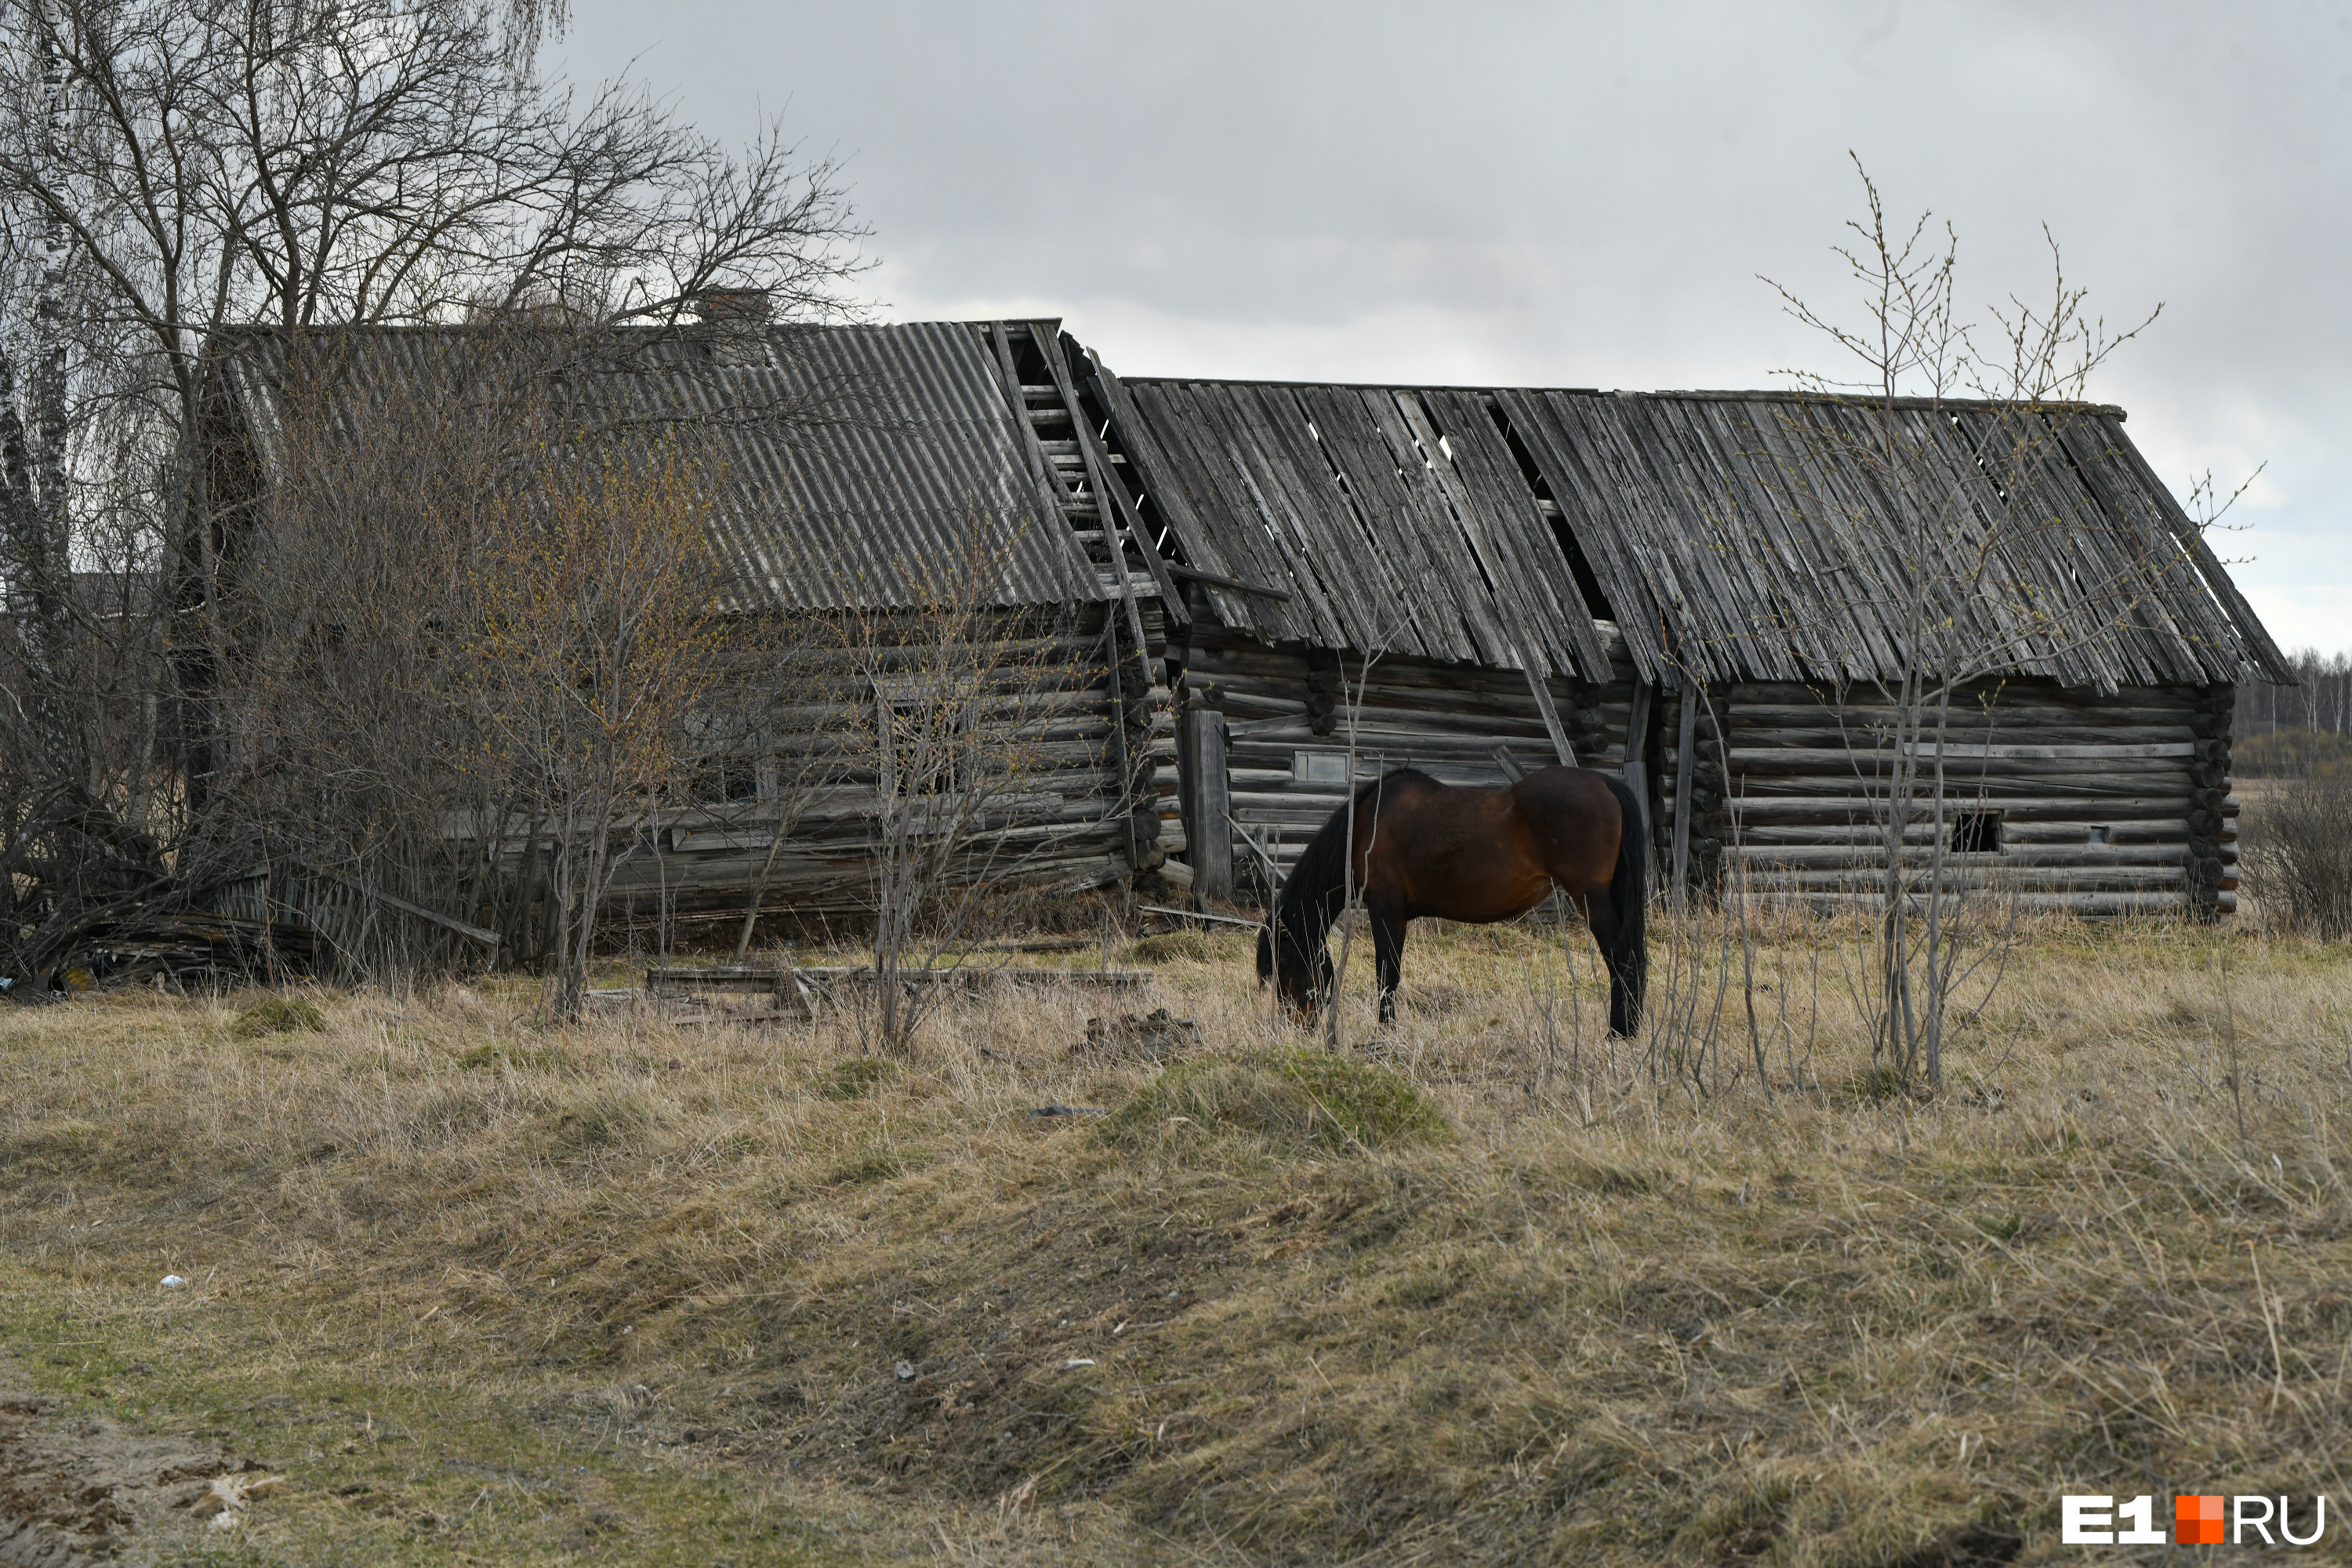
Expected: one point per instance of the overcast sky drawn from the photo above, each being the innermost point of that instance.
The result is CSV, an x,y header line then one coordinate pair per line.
x,y
1584,194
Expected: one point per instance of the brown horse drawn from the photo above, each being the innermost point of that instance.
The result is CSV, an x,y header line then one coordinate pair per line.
x,y
1478,856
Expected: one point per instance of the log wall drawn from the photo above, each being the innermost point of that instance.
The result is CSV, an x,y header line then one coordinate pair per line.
x,y
1101,809
1287,733
2106,805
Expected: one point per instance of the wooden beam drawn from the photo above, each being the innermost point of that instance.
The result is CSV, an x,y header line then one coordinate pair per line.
x,y
1120,516
1097,479
1219,580
1197,915
1122,776
432,917
1541,692
1637,768
1209,837
1686,764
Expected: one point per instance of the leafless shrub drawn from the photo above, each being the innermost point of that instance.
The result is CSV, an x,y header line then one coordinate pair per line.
x,y
956,708
169,172
2298,852
2027,367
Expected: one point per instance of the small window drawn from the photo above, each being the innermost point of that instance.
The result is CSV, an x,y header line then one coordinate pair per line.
x,y
2101,834
1318,767
926,742
726,780
1976,833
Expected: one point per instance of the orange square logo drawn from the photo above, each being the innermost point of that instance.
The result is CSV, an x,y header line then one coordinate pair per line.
x,y
2198,1521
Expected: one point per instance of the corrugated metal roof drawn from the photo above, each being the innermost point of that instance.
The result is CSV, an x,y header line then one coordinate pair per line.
x,y
855,463
1737,535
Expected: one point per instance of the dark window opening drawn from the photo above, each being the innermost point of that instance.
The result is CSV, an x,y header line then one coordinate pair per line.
x,y
728,780
926,743
1976,833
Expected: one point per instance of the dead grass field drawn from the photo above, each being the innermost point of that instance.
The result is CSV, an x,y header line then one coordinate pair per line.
x,y
739,1293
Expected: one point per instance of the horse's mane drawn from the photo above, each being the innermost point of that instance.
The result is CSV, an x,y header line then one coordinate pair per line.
x,y
1317,884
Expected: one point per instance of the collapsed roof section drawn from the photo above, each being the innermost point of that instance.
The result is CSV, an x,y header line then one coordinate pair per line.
x,y
1780,536
1396,520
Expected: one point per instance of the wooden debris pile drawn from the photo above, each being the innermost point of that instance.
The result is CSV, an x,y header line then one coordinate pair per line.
x,y
1157,1036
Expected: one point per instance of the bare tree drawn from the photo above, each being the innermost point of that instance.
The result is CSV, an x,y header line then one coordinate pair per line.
x,y
1953,532
958,705
596,632
168,170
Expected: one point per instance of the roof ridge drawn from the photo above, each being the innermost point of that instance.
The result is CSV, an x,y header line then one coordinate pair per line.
x,y
1692,394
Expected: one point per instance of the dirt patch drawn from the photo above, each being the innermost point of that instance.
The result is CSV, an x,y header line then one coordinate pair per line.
x,y
76,1490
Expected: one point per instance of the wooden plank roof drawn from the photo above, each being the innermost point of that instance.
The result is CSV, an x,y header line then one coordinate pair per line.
x,y
1396,521
1749,535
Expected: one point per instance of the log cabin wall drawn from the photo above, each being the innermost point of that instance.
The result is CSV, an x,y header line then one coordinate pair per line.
x,y
2091,804
859,463
1288,720
1101,808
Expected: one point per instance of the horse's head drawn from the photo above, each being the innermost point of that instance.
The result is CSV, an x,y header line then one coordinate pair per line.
x,y
1302,974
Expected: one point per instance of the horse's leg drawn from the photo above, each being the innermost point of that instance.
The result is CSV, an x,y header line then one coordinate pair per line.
x,y
1388,954
1600,919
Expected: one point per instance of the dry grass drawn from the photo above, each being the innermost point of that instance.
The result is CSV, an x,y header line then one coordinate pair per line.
x,y
650,1292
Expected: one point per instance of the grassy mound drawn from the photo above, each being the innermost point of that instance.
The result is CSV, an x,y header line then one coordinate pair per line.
x,y
856,1077
281,1015
1297,1101
609,1121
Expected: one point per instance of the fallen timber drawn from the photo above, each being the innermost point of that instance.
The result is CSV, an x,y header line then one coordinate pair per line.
x,y
782,981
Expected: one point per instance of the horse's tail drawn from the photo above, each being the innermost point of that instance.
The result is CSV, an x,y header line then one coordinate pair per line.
x,y
1628,957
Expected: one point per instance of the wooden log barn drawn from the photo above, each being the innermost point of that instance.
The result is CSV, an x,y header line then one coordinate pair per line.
x,y
1692,588
852,459
1701,590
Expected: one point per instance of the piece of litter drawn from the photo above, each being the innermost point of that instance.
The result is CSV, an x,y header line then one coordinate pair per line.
x,y
1070,1111
172,1282
230,1493
1076,1362
905,1371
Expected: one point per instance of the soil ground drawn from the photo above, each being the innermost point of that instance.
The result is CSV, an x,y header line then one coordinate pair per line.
x,y
1480,1287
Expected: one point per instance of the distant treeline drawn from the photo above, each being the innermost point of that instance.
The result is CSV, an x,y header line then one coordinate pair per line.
x,y
2322,704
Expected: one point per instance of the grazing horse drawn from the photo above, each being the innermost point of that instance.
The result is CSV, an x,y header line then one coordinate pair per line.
x,y
1422,848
